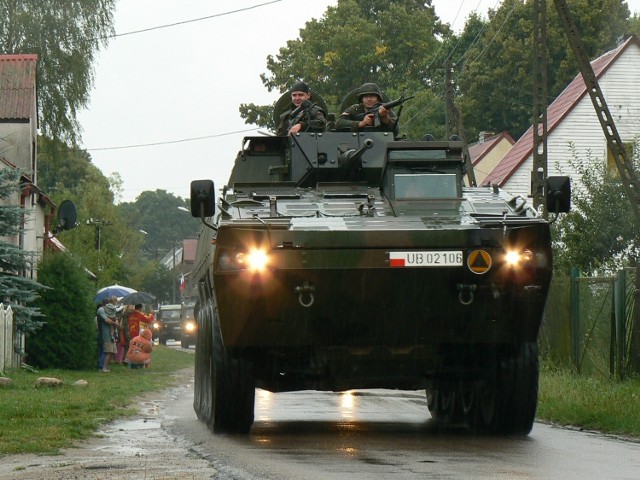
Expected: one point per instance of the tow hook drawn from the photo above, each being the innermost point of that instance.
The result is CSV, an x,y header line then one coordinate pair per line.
x,y
305,291
465,293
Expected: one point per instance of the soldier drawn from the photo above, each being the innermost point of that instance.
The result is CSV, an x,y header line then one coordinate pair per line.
x,y
361,116
306,116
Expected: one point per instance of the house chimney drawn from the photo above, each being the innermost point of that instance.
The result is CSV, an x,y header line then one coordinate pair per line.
x,y
484,135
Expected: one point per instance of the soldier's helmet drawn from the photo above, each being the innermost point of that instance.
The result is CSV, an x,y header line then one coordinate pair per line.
x,y
369,89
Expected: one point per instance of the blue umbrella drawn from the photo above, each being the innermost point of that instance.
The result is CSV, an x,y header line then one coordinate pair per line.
x,y
111,290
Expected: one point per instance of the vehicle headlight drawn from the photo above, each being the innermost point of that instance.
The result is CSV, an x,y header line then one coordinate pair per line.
x,y
255,260
515,258
190,327
156,326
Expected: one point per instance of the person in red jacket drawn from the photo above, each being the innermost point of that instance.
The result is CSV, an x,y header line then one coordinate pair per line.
x,y
140,349
138,320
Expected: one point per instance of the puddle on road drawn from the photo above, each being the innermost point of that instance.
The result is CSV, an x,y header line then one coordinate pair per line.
x,y
124,436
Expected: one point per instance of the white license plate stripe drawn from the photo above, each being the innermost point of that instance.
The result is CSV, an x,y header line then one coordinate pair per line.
x,y
426,258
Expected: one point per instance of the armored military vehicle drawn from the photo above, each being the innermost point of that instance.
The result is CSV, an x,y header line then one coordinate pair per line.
x,y
168,320
339,260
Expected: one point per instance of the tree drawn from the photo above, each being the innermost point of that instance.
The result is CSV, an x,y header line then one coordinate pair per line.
x,y
603,210
62,168
159,281
634,24
496,83
157,213
68,337
16,290
66,35
109,239
358,41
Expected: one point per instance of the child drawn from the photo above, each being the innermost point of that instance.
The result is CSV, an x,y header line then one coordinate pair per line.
x,y
112,310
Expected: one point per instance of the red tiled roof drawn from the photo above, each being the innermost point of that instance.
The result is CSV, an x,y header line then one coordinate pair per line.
x,y
556,112
17,86
478,150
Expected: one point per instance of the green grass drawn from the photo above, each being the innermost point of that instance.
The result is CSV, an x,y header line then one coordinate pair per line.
x,y
589,402
43,420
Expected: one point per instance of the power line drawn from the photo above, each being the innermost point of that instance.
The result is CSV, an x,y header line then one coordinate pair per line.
x,y
167,142
193,20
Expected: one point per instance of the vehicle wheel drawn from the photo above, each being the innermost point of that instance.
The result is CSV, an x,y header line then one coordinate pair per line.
x,y
443,405
233,387
506,404
163,341
203,392
184,343
432,402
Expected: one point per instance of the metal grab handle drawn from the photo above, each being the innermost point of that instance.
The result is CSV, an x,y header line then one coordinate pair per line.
x,y
466,288
305,289
309,303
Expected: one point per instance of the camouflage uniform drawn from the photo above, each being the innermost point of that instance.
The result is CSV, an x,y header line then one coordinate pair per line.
x,y
312,121
351,117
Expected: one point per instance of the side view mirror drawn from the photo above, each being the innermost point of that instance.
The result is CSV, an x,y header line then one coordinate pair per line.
x,y
558,197
202,198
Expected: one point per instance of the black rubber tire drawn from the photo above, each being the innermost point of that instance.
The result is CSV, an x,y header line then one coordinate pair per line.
x,y
445,405
203,392
506,404
163,341
184,343
233,387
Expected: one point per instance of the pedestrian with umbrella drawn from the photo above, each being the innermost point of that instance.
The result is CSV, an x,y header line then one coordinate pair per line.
x,y
134,321
112,290
104,325
106,293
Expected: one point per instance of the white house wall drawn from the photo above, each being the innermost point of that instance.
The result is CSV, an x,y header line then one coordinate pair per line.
x,y
621,90
17,145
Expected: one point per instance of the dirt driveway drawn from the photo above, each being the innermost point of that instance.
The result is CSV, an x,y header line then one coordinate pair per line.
x,y
141,447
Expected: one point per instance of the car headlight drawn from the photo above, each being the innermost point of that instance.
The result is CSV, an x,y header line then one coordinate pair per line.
x,y
190,327
255,260
156,326
514,258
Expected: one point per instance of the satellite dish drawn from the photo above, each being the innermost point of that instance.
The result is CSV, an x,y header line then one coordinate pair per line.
x,y
67,216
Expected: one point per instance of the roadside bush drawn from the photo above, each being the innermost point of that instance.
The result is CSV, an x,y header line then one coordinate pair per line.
x,y
68,338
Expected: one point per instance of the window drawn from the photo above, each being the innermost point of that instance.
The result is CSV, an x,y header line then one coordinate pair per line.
x,y
425,185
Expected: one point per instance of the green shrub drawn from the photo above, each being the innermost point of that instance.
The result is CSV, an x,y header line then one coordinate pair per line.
x,y
68,337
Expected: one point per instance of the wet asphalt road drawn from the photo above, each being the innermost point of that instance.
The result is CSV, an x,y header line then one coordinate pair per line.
x,y
388,434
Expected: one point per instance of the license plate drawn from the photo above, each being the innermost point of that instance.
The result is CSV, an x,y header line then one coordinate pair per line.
x,y
430,258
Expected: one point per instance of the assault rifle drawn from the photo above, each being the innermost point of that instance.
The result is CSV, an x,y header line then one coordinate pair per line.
x,y
376,108
299,112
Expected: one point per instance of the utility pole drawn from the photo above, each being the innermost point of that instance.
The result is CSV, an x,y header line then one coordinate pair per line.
x,y
539,124
623,162
97,224
454,122
173,276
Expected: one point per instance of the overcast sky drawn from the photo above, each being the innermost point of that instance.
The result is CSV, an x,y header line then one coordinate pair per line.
x,y
164,109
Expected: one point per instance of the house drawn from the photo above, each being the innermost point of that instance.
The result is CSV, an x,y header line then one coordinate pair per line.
x,y
487,152
572,121
180,260
18,150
